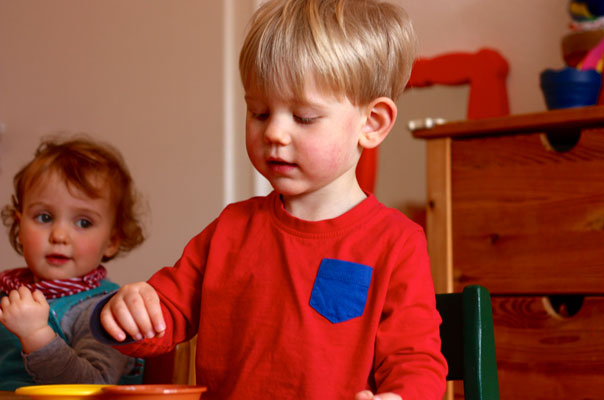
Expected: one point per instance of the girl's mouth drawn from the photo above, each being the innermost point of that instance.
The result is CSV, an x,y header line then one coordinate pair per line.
x,y
57,259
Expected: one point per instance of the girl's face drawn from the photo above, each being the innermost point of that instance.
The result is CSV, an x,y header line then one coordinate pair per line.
x,y
65,233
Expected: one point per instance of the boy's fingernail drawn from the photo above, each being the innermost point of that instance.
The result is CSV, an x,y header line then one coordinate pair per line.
x,y
138,336
150,334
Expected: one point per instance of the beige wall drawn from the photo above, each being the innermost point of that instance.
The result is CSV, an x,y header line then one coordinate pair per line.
x,y
158,79
146,75
527,34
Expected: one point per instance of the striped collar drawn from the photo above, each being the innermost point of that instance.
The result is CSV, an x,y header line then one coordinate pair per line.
x,y
15,278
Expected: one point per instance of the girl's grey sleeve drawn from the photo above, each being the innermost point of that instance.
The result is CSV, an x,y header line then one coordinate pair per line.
x,y
84,361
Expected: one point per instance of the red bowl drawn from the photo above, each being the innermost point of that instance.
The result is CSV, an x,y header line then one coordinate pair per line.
x,y
150,392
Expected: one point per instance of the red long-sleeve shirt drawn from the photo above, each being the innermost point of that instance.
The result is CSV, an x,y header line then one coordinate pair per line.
x,y
292,309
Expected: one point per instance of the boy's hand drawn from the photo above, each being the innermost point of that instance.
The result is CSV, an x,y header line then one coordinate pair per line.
x,y
134,310
25,314
367,395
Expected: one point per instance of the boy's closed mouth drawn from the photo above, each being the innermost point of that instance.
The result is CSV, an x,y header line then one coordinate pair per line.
x,y
280,165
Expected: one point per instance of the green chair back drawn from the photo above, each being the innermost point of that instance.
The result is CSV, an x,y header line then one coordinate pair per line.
x,y
468,342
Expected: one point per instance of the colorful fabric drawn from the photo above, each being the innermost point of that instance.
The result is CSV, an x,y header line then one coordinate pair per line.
x,y
290,309
15,278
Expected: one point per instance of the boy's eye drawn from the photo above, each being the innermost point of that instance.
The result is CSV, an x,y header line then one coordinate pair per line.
x,y
259,116
83,223
304,120
43,218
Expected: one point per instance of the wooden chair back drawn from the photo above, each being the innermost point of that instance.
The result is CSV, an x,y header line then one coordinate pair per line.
x,y
468,341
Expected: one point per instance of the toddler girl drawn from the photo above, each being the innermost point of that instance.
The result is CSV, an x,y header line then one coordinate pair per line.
x,y
72,209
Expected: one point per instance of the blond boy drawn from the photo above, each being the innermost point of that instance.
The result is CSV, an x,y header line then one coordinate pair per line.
x,y
316,291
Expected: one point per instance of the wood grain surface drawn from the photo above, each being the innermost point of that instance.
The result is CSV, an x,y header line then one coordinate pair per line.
x,y
527,219
541,355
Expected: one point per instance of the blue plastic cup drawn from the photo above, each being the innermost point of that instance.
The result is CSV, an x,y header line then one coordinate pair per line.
x,y
570,87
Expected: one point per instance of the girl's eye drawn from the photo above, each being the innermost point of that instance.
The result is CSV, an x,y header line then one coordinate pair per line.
x,y
83,223
43,218
304,120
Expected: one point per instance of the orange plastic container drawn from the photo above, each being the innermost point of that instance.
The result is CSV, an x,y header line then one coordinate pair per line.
x,y
151,392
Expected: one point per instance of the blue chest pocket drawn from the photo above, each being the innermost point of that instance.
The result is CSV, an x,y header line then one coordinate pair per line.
x,y
340,289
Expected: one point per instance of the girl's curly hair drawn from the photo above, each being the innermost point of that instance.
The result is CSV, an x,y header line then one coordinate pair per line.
x,y
80,161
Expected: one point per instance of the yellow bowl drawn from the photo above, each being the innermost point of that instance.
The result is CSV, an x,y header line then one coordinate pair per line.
x,y
63,392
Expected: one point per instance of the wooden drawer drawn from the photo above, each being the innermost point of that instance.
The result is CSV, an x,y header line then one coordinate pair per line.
x,y
542,355
527,219
506,212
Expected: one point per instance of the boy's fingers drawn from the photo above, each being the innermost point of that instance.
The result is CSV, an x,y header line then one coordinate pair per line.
x,y
124,317
154,312
137,308
110,325
134,310
364,395
387,396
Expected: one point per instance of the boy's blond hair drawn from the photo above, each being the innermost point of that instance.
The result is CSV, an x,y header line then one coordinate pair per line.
x,y
360,49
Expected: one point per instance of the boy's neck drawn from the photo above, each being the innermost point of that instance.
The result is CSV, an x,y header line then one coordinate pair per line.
x,y
323,204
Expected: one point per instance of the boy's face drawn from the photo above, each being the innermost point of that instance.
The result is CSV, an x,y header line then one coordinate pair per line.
x,y
65,233
303,147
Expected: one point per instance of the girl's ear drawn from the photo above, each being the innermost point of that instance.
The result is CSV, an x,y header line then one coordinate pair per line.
x,y
381,115
17,218
113,246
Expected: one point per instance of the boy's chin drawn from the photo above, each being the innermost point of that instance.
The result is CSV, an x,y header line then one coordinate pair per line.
x,y
288,190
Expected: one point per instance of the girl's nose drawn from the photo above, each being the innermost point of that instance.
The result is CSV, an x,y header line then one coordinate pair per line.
x,y
58,234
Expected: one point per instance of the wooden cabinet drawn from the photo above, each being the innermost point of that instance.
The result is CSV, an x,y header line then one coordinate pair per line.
x,y
516,204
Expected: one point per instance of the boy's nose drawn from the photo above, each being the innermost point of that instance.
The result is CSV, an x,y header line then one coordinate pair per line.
x,y
276,133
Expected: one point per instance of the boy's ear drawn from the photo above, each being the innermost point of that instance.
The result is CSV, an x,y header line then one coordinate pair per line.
x,y
381,115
